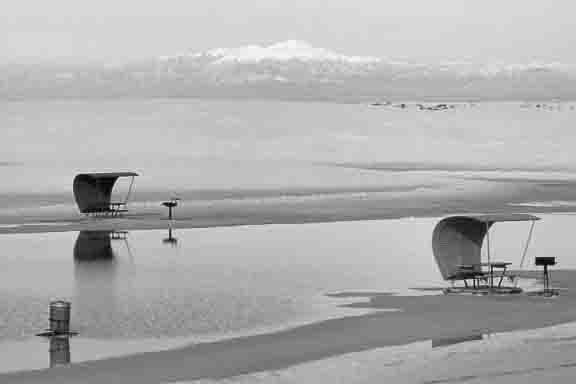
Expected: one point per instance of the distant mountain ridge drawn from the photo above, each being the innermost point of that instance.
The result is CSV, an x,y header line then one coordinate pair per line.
x,y
286,50
294,70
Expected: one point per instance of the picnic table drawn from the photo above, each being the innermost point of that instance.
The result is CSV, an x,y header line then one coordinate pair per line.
x,y
492,265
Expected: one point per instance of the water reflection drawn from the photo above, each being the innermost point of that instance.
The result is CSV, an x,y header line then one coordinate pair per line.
x,y
98,271
59,351
93,246
170,240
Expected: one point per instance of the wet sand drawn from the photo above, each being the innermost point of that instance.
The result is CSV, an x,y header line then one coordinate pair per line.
x,y
476,195
420,318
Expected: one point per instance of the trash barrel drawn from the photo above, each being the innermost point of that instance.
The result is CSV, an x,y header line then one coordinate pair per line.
x,y
60,317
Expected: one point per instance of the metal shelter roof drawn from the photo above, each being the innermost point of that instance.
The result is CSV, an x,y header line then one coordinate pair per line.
x,y
101,175
93,191
457,240
502,217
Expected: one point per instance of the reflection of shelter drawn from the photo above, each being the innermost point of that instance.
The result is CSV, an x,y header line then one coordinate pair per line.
x,y
96,246
96,270
59,351
457,244
93,192
119,235
93,246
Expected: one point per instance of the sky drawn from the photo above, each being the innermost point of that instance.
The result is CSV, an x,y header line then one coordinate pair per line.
x,y
117,31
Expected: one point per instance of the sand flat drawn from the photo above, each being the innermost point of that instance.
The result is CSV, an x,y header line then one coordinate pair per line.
x,y
303,206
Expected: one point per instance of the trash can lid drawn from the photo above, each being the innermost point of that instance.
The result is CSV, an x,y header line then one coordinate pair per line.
x,y
59,303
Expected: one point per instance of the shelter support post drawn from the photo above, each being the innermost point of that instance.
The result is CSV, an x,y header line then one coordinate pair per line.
x,y
129,190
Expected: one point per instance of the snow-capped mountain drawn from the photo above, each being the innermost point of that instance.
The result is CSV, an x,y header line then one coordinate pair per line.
x,y
282,51
288,61
298,70
297,61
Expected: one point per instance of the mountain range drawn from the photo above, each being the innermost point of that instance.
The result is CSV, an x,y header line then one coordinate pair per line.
x,y
292,70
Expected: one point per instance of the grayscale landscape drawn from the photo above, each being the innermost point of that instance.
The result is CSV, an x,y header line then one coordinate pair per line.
x,y
304,192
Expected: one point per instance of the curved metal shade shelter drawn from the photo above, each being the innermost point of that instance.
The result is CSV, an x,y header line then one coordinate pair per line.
x,y
93,191
457,240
